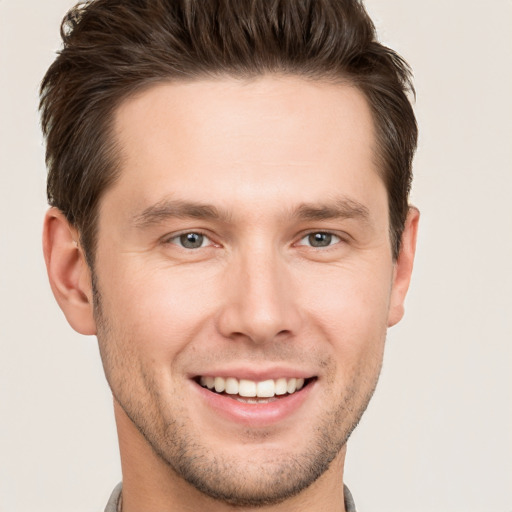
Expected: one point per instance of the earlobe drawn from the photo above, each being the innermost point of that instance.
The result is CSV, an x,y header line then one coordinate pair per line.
x,y
403,267
68,272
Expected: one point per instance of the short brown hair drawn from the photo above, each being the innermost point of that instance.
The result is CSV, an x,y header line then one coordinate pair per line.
x,y
113,48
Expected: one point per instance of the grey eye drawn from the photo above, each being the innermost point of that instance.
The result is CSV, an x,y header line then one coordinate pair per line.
x,y
191,240
320,239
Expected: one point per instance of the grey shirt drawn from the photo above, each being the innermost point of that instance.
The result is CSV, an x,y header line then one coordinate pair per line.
x,y
114,501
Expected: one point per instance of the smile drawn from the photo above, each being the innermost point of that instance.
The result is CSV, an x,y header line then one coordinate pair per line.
x,y
242,389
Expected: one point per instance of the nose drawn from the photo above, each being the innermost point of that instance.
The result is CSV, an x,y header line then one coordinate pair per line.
x,y
259,303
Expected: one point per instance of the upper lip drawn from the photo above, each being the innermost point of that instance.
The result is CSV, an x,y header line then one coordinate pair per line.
x,y
256,374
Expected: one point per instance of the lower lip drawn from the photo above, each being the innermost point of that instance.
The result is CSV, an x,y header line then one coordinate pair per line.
x,y
262,414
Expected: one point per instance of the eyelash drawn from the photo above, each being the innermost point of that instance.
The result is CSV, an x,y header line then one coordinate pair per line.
x,y
175,240
338,238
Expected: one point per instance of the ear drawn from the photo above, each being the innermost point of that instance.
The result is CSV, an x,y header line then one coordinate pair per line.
x,y
68,272
403,267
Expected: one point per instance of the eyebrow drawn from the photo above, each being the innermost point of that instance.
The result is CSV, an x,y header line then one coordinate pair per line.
x,y
169,208
342,208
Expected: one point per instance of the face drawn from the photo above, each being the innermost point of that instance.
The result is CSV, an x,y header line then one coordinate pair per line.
x,y
244,279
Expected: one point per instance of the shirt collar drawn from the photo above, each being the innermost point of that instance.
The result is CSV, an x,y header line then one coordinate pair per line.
x,y
114,502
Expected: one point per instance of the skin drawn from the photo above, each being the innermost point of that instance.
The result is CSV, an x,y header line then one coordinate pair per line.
x,y
276,159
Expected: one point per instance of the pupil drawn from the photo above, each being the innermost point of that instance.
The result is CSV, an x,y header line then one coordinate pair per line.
x,y
320,239
192,240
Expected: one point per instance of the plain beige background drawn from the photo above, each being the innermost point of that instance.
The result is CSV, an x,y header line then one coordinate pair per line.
x,y
438,434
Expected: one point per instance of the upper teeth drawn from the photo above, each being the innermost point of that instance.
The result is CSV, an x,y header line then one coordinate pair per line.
x,y
250,388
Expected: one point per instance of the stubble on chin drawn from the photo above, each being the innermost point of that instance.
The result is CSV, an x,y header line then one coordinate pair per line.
x,y
240,481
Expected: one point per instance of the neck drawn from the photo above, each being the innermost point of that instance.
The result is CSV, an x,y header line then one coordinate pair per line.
x,y
150,484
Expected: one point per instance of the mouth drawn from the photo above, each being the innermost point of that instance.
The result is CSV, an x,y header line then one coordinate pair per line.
x,y
254,392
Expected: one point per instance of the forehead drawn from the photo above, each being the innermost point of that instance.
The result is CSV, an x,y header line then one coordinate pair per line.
x,y
267,140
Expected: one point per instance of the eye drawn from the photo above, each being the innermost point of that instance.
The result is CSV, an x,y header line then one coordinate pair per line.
x,y
319,239
191,240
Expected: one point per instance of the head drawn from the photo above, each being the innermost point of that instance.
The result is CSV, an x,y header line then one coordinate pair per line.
x,y
235,176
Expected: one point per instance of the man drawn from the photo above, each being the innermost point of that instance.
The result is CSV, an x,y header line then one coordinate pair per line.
x,y
229,186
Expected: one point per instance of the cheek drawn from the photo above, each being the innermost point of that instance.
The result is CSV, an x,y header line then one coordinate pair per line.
x,y
158,311
351,308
